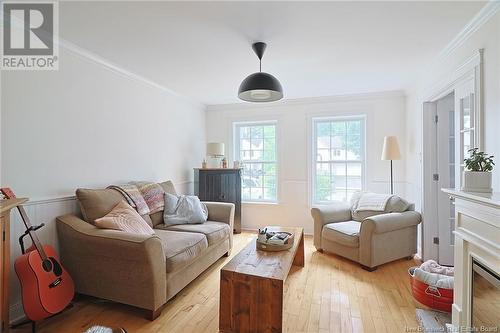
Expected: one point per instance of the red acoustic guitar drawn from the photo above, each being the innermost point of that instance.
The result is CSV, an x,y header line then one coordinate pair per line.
x,y
46,286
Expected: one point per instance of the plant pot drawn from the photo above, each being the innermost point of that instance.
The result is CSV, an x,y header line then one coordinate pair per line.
x,y
476,181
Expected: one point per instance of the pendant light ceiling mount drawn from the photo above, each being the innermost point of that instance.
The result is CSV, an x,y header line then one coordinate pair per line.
x,y
260,86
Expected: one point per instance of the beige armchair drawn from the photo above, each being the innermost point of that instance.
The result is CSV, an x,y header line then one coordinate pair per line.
x,y
370,241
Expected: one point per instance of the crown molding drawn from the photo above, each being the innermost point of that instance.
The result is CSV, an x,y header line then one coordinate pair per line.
x,y
308,101
483,16
117,69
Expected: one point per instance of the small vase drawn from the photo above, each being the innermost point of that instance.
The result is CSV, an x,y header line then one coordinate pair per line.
x,y
476,181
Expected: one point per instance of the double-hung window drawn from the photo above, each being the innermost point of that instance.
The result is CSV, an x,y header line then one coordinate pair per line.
x,y
338,158
255,148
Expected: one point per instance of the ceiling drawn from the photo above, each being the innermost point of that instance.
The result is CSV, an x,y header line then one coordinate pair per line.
x,y
203,49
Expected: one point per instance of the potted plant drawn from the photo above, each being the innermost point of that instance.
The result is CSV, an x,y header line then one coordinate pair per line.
x,y
477,176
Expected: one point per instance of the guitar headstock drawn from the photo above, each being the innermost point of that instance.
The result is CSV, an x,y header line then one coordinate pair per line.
x,y
7,193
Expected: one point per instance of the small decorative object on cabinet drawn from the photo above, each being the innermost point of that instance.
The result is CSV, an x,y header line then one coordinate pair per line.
x,y
477,177
220,185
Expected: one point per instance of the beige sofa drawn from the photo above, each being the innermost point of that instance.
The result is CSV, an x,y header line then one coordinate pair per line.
x,y
369,238
143,271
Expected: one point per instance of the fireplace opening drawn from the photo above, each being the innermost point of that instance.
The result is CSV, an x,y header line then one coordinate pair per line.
x,y
485,298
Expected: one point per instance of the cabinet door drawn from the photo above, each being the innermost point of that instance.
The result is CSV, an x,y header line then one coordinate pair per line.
x,y
210,186
228,187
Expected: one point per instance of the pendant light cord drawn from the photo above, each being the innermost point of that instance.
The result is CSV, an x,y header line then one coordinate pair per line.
x,y
260,65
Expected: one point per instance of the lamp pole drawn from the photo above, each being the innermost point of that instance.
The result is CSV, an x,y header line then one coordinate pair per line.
x,y
392,184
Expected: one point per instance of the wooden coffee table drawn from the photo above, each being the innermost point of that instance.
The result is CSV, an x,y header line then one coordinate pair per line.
x,y
251,286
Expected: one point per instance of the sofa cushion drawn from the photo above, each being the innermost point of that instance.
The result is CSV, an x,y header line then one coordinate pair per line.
x,y
156,218
169,187
95,204
345,233
215,232
181,248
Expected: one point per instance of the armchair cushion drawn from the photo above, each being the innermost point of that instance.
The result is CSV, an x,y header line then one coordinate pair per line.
x,y
345,233
215,232
395,204
181,248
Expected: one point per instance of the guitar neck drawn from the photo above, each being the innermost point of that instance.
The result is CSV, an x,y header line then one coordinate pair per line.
x,y
33,236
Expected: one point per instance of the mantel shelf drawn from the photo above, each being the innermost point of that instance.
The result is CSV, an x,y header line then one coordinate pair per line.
x,y
491,199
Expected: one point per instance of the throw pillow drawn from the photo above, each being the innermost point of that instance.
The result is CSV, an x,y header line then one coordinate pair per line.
x,y
184,209
125,218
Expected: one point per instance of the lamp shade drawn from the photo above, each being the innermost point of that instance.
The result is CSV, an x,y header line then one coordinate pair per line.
x,y
215,149
260,87
391,149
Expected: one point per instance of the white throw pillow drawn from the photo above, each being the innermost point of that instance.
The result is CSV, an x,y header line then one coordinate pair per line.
x,y
184,209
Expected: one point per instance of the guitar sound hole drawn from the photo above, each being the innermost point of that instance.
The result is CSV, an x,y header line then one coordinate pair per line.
x,y
57,268
47,265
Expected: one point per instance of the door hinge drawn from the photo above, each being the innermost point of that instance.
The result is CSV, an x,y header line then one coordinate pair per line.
x,y
435,177
436,240
436,118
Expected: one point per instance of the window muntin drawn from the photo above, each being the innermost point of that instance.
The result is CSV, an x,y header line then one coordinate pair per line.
x,y
255,147
338,158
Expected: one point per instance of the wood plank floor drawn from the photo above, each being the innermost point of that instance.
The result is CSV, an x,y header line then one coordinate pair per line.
x,y
330,294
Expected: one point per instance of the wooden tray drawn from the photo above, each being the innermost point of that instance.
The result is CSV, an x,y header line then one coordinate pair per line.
x,y
274,247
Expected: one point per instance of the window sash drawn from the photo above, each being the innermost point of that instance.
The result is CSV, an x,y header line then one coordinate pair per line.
x,y
344,189
268,157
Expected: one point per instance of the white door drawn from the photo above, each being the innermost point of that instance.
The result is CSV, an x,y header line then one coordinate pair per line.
x,y
456,134
446,175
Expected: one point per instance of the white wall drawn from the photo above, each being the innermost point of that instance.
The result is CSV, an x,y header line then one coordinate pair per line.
x,y
488,38
88,125
385,115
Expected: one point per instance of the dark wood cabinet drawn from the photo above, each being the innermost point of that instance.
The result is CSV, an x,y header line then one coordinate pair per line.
x,y
220,185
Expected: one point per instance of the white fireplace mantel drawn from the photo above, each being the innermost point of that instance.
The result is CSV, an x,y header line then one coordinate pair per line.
x,y
477,236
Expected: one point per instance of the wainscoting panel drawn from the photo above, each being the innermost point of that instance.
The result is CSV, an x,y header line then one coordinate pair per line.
x,y
39,211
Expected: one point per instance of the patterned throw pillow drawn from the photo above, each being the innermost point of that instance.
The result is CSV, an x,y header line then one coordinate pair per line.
x,y
125,218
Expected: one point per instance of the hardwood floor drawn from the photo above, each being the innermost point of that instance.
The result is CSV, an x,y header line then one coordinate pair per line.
x,y
330,294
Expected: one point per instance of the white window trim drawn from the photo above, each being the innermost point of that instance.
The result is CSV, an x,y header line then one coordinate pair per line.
x,y
236,154
312,157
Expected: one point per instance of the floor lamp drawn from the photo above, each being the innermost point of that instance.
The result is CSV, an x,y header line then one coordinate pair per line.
x,y
391,152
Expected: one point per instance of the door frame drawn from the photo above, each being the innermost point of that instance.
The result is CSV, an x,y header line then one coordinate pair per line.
x,y
472,68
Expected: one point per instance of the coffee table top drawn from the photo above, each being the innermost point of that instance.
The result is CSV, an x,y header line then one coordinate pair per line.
x,y
272,265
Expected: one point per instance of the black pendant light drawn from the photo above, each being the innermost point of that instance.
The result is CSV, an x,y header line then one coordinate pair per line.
x,y
260,87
